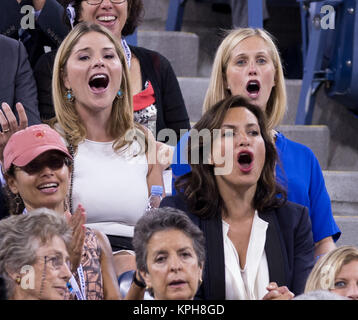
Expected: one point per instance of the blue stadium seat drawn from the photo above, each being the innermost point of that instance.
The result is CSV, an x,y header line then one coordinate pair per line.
x,y
330,56
125,281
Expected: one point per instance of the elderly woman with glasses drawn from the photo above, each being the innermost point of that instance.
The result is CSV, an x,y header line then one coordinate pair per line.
x,y
34,258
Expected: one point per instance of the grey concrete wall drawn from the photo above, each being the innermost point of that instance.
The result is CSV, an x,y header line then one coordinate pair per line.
x,y
343,127
180,48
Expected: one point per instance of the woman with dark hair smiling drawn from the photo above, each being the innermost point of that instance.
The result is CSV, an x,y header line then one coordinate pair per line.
x,y
258,245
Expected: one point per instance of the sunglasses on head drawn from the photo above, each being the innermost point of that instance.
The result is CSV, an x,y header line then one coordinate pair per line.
x,y
54,161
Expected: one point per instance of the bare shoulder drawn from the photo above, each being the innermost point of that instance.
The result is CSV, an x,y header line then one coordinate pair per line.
x,y
103,240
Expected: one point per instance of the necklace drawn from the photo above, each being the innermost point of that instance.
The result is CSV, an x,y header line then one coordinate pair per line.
x,y
72,153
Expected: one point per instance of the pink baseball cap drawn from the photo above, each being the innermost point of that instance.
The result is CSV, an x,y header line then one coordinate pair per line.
x,y
27,144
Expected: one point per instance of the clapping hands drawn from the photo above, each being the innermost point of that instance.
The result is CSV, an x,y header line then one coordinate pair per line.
x,y
76,222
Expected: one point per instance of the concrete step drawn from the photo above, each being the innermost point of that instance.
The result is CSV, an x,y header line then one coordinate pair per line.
x,y
343,125
193,90
293,88
349,227
180,48
199,18
155,10
343,191
315,137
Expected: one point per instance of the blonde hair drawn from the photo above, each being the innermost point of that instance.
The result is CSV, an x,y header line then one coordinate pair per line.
x,y
276,105
121,119
325,271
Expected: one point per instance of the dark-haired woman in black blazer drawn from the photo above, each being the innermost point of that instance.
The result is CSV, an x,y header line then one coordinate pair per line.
x,y
259,246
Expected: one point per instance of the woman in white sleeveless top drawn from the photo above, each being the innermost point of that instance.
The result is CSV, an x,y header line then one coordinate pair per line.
x,y
114,158
93,103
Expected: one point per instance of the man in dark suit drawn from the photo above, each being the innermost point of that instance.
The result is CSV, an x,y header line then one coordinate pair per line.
x,y
17,83
49,29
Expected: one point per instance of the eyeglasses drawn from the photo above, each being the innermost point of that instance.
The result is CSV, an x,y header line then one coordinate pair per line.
x,y
52,161
56,261
96,2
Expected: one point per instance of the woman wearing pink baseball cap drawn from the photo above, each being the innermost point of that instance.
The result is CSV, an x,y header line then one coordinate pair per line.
x,y
37,167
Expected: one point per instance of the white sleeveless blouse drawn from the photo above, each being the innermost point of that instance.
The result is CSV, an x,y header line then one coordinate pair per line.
x,y
112,187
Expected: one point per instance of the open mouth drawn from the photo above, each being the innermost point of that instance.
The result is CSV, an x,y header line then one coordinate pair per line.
x,y
245,160
98,82
253,88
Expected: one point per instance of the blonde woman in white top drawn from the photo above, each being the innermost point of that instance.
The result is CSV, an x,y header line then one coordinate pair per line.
x,y
94,114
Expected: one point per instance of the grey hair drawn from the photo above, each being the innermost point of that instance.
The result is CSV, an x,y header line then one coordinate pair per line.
x,y
161,219
21,236
320,295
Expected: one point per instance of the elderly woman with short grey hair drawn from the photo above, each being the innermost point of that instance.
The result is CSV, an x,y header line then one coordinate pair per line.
x,y
170,254
34,259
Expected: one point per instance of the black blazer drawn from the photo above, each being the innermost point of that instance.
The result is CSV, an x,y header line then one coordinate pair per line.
x,y
50,28
289,247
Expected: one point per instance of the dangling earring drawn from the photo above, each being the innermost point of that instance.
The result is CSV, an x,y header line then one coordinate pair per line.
x,y
65,204
69,95
18,280
18,202
119,94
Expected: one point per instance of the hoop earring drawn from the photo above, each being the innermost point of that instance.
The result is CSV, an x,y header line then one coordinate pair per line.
x,y
200,281
69,95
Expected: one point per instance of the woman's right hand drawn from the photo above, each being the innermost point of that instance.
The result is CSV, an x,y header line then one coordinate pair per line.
x,y
76,222
9,124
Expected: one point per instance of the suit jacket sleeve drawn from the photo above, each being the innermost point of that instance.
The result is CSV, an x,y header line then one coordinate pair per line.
x,y
25,87
303,252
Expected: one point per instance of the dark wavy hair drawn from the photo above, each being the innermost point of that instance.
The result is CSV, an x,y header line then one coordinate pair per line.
x,y
199,186
134,18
